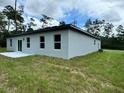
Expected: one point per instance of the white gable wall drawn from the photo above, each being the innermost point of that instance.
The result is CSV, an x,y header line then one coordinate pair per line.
x,y
80,44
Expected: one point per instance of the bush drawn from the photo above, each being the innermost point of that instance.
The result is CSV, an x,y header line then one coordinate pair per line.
x,y
3,36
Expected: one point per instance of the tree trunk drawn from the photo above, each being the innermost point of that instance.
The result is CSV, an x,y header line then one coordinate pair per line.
x,y
15,15
8,25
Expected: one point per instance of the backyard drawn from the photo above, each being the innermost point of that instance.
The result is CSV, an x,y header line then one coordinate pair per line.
x,y
99,72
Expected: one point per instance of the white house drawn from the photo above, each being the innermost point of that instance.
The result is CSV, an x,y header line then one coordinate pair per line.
x,y
64,41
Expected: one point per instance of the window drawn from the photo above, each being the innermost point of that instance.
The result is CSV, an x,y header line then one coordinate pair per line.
x,y
42,42
94,42
11,42
28,42
57,41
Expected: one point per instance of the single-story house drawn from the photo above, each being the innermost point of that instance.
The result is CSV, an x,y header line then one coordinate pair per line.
x,y
64,41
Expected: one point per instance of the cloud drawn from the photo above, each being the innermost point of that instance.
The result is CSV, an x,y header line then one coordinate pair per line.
x,y
111,10
112,16
51,8
104,9
6,2
3,3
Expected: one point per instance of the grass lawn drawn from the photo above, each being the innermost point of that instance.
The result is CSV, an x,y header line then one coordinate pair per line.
x,y
94,73
2,49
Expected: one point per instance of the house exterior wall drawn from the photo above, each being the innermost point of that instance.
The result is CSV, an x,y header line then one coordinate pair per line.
x,y
35,44
72,44
13,48
80,44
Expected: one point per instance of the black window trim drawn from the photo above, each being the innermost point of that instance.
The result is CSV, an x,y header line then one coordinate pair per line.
x,y
94,42
10,42
42,42
59,42
28,42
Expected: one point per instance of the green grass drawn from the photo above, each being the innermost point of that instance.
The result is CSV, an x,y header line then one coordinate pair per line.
x,y
2,49
93,73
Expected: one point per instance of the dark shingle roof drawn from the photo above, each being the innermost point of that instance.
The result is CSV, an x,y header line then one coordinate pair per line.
x,y
56,28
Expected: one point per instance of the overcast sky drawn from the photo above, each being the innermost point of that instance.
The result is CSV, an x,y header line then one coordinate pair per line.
x,y
68,10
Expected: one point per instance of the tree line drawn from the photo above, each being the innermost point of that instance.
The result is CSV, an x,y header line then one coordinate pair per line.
x,y
12,22
112,37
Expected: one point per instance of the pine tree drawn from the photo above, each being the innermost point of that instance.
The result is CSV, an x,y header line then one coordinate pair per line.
x,y
88,23
120,30
10,12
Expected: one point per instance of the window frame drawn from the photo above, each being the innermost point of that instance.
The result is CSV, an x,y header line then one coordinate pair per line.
x,y
57,42
11,42
42,42
28,40
94,42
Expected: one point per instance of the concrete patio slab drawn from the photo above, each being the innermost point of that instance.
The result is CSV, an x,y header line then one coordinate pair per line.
x,y
15,54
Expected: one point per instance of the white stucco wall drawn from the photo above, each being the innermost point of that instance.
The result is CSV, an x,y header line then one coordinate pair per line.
x,y
49,44
80,44
72,44
13,47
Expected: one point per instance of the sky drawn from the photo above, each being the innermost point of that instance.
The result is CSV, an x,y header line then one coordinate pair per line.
x,y
70,10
